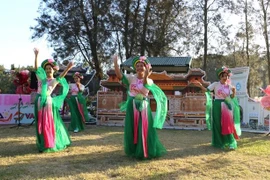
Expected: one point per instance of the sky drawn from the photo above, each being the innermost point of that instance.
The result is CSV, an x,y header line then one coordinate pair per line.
x,y
16,46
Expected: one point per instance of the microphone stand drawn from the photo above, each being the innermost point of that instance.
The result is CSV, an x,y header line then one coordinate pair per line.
x,y
19,114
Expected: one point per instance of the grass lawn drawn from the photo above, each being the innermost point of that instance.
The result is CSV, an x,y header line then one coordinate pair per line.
x,y
97,153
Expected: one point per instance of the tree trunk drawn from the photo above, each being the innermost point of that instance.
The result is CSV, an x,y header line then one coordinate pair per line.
x,y
125,40
92,37
143,37
247,36
133,32
205,35
266,38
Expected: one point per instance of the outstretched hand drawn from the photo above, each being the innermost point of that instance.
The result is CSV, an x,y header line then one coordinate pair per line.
x,y
116,66
148,71
115,58
36,51
69,66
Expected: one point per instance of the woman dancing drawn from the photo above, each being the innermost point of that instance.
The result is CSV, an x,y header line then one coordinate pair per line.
x,y
140,136
223,112
77,105
51,132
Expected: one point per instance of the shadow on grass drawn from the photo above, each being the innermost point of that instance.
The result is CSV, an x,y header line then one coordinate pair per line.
x,y
180,143
99,136
251,139
102,137
44,166
197,143
14,131
186,172
27,163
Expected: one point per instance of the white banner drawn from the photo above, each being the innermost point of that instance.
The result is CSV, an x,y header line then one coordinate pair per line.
x,y
9,109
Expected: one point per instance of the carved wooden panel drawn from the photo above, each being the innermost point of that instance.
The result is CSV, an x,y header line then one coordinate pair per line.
x,y
109,100
193,104
108,112
183,111
174,105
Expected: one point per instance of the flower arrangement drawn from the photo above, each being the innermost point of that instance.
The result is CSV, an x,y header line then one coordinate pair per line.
x,y
141,59
22,83
223,69
51,62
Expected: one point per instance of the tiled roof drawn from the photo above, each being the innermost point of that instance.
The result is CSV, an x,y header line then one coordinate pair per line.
x,y
163,61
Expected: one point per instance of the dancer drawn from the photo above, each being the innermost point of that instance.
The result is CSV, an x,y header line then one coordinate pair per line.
x,y
224,111
51,132
77,105
140,136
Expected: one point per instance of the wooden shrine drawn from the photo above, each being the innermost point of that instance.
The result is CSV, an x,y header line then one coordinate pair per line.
x,y
186,104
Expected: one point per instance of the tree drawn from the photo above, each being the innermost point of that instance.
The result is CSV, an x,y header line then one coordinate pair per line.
x,y
125,22
77,29
264,4
148,27
165,27
208,26
245,34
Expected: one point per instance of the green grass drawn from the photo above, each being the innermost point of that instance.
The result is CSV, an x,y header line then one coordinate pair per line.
x,y
97,153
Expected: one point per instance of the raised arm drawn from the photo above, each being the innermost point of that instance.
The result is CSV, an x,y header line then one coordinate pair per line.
x,y
116,67
69,66
36,56
148,72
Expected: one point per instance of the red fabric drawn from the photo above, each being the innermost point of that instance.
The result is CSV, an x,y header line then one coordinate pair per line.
x,y
136,114
46,125
144,116
227,123
80,107
23,89
144,131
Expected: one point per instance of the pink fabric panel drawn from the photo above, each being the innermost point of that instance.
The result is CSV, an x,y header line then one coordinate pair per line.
x,y
227,123
46,124
136,114
80,109
48,127
145,130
